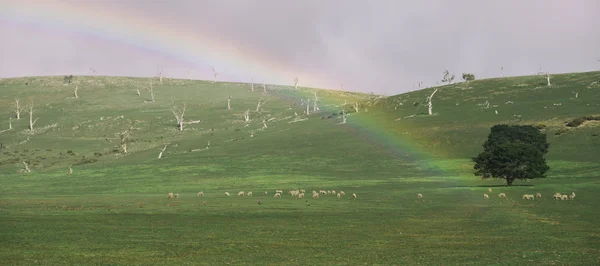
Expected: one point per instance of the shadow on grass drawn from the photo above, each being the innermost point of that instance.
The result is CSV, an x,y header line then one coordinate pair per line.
x,y
522,185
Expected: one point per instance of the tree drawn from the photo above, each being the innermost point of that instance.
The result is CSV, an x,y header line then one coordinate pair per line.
x,y
447,77
513,152
468,77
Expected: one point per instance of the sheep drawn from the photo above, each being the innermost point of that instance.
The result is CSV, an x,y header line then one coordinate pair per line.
x,y
564,197
301,195
277,195
200,193
249,194
315,196
342,193
354,195
486,196
538,195
572,196
279,191
328,192
333,192
557,196
241,193
170,195
338,195
420,196
227,194
266,193
176,196
302,191
502,196
314,192
528,196
323,192
489,190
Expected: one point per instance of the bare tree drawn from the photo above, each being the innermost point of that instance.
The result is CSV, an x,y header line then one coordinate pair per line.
x,y
160,76
229,102
344,114
26,168
420,84
151,90
502,70
190,75
260,104
163,150
356,107
17,109
75,92
208,145
70,170
548,78
315,107
264,88
296,83
429,101
179,112
447,77
308,106
10,123
31,121
247,115
252,84
264,124
124,136
214,75
138,92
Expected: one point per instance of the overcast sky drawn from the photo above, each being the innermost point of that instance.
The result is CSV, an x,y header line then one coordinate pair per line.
x,y
376,46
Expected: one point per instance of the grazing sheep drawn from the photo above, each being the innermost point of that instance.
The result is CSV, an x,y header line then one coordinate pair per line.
x,y
266,193
486,196
564,197
489,190
227,194
249,194
528,196
277,195
301,195
323,192
302,191
420,196
538,195
338,195
176,196
314,192
170,195
502,196
328,192
342,193
333,192
557,196
571,197
241,193
315,196
354,195
279,191
200,193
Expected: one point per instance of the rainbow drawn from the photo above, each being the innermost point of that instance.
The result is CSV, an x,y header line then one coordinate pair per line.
x,y
89,19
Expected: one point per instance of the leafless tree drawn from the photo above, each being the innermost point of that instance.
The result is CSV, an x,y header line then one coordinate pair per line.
x,y
179,112
160,75
70,170
447,77
18,109
25,168
315,107
429,101
214,75
356,107
31,121
247,116
252,84
264,88
190,75
296,83
260,104
548,78
344,114
163,150
10,123
138,92
307,106
502,70
75,92
264,124
151,90
124,136
229,102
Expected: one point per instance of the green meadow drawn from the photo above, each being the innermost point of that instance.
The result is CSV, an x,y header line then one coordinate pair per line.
x,y
113,209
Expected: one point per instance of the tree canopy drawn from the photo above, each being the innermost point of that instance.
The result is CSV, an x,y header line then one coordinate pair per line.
x,y
513,152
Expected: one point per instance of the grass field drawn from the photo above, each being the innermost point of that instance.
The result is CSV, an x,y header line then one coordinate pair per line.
x,y
114,209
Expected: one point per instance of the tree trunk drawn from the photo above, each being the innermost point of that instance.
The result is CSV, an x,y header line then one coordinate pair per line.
x,y
509,181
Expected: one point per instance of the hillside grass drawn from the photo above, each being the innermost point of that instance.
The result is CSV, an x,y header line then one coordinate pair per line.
x,y
113,209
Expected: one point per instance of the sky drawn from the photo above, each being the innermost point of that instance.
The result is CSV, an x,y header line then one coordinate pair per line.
x,y
380,46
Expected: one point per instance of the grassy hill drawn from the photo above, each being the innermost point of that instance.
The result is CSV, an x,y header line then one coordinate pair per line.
x,y
113,209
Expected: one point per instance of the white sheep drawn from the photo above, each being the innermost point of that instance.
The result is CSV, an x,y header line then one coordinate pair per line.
x,y
572,196
420,196
170,195
315,196
486,196
301,195
279,191
328,192
528,196
342,193
241,193
277,195
302,191
249,194
333,192
538,195
354,195
557,196
176,196
339,195
200,193
502,196
489,190
227,194
266,193
323,192
314,192
564,197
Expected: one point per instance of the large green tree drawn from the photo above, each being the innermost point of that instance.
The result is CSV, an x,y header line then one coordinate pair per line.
x,y
513,152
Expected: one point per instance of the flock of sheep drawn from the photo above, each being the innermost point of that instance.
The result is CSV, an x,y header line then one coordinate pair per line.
x,y
557,196
299,193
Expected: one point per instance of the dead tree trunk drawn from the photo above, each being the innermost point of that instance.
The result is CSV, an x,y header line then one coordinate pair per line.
x,y
179,112
247,115
70,170
264,88
10,123
229,103
296,83
161,152
26,168
548,78
264,124
252,84
214,75
124,136
151,90
190,75
344,116
430,103
502,71
315,107
75,92
138,92
260,104
31,121
17,109
356,107
308,106
208,145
